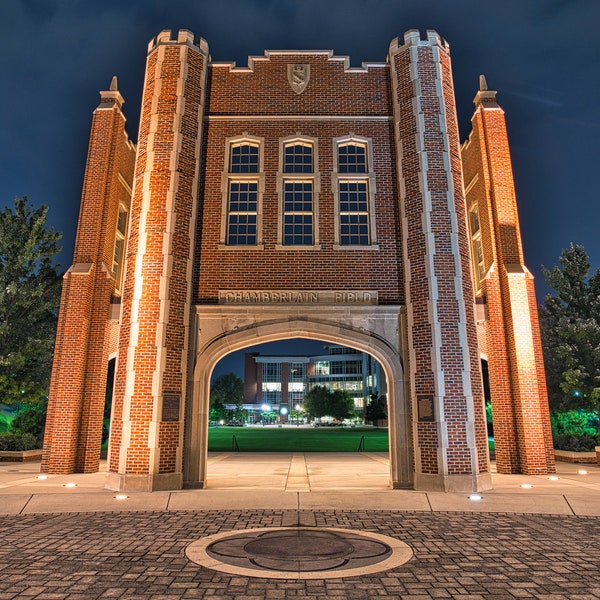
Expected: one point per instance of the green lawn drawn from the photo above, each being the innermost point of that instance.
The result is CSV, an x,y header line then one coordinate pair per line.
x,y
300,439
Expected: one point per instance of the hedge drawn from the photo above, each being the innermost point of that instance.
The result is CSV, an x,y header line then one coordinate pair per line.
x,y
18,442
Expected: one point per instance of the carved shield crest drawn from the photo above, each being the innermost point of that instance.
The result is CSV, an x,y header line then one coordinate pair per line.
x,y
298,76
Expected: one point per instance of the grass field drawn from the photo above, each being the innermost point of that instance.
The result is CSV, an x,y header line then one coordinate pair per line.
x,y
296,439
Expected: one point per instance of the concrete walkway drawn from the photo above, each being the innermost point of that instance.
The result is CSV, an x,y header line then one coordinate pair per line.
x,y
300,482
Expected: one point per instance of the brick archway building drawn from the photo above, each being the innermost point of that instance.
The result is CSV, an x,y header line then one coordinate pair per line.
x,y
298,197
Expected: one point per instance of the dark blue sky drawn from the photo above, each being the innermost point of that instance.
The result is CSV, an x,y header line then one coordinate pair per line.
x,y
541,56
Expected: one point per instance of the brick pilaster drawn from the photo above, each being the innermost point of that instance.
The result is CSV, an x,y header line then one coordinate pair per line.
x,y
517,382
83,342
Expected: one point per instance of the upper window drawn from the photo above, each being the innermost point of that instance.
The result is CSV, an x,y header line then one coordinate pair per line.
x,y
244,158
352,158
298,158
354,188
243,182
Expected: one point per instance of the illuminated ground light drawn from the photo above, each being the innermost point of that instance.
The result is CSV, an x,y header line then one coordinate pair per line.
x,y
70,485
121,497
582,472
475,497
42,477
553,478
526,486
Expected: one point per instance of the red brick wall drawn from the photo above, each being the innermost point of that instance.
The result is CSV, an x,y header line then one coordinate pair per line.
x,y
84,340
332,90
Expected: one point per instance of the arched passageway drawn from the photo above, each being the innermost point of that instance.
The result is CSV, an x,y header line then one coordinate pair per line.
x,y
220,332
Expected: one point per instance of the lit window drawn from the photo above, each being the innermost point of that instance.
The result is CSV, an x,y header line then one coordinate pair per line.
x,y
243,183
354,188
477,246
119,253
271,386
298,186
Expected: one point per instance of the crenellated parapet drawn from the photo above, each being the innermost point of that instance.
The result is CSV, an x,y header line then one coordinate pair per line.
x,y
413,38
184,37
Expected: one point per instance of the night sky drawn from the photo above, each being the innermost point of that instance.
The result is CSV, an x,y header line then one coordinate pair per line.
x,y
541,55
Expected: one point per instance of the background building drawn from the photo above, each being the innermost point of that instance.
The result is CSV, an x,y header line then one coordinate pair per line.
x,y
280,382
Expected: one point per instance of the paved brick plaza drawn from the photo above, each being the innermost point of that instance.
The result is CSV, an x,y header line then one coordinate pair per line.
x,y
141,555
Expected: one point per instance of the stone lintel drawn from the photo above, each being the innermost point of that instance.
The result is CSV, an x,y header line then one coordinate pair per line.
x,y
336,297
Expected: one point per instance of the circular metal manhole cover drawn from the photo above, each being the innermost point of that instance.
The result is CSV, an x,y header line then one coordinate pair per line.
x,y
299,553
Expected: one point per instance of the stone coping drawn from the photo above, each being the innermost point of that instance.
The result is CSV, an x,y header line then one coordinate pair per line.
x,y
575,457
20,455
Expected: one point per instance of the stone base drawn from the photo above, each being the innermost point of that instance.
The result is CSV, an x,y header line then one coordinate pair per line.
x,y
193,485
453,483
144,483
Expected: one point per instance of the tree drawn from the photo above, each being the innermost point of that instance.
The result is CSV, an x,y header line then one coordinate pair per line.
x,y
376,409
322,401
30,288
226,389
570,325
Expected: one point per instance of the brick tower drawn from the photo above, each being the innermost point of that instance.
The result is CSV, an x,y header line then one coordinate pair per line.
x,y
151,377
296,197
505,288
450,437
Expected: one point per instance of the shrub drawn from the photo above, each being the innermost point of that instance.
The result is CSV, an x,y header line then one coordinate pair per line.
x,y
576,442
30,420
577,422
18,441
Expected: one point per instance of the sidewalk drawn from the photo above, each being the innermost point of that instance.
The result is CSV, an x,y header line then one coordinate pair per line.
x,y
299,482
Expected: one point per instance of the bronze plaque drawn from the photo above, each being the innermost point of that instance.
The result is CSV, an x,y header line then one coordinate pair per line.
x,y
170,408
425,407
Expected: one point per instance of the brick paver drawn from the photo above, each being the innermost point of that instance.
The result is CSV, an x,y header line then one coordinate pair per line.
x,y
141,555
